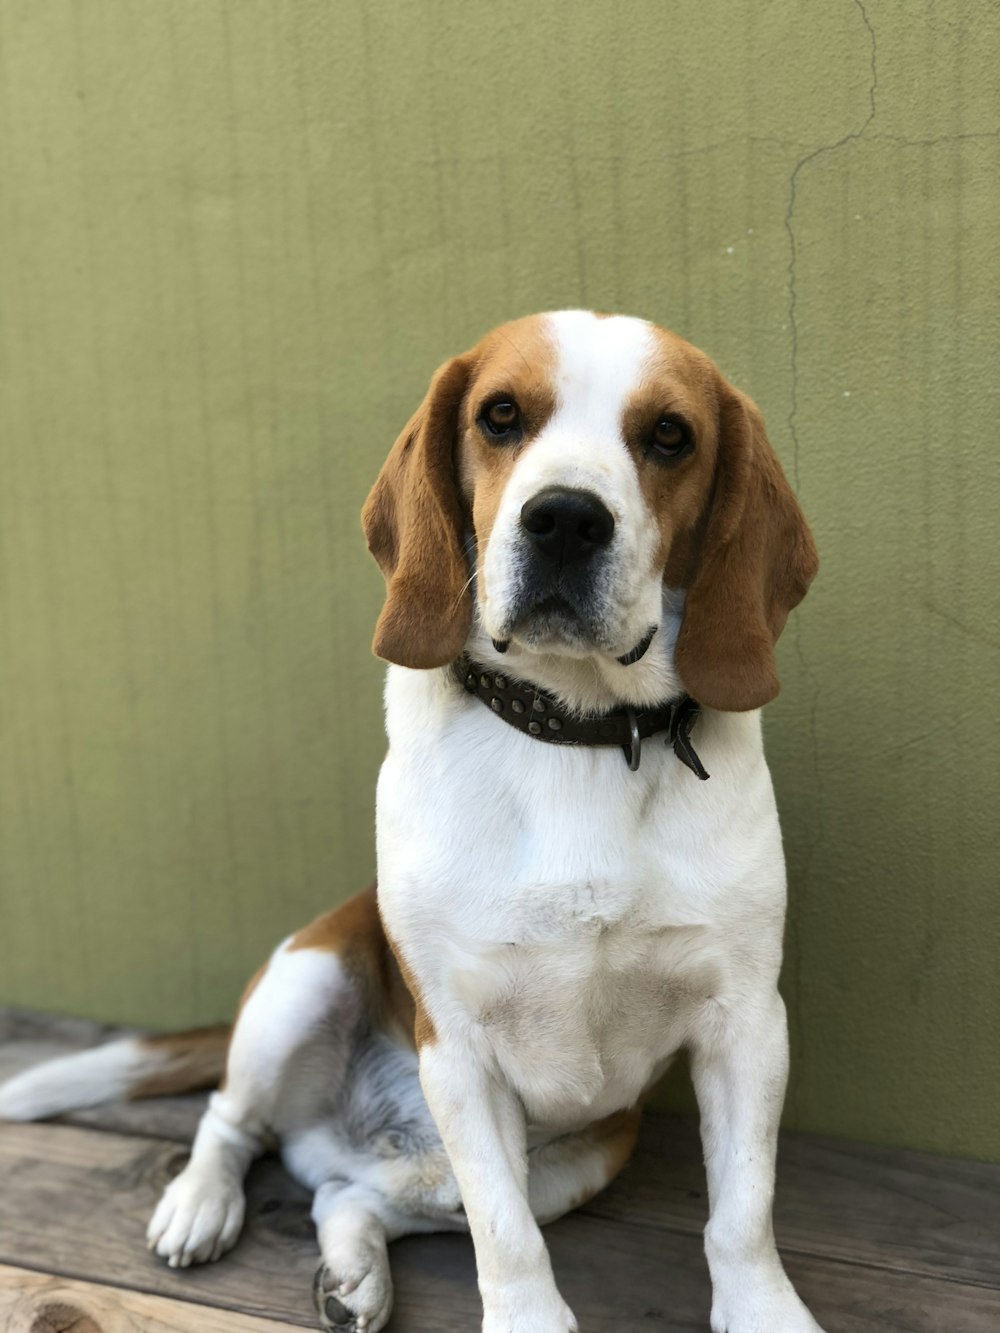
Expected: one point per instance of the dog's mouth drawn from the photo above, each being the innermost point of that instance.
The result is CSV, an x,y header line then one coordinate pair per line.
x,y
639,651
554,622
554,619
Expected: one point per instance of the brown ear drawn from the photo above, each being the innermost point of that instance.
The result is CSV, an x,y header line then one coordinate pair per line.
x,y
414,525
756,560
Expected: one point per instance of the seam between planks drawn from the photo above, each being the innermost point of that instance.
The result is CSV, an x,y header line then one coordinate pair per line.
x,y
807,1252
122,1131
596,1213
592,1210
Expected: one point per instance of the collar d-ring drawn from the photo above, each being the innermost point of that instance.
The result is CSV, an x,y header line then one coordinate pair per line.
x,y
632,751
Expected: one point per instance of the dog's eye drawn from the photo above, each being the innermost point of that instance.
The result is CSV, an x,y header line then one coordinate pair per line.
x,y
502,418
671,438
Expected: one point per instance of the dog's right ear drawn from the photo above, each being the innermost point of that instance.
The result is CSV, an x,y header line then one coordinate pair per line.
x,y
414,524
757,560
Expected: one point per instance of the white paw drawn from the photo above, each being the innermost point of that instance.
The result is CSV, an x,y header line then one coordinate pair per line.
x,y
354,1295
550,1315
198,1219
751,1308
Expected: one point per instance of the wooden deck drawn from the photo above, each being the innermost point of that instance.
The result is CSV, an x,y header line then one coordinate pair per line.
x,y
874,1239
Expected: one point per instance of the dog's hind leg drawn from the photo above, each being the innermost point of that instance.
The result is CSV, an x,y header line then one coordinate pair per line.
x,y
353,1287
355,1221
299,1014
565,1172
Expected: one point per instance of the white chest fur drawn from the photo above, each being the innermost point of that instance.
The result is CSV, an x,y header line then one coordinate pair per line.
x,y
571,919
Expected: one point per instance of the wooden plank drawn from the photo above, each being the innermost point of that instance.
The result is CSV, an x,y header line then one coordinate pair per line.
x,y
884,1207
39,1303
908,1211
75,1203
629,1278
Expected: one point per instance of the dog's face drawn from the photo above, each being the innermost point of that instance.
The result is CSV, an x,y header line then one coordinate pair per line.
x,y
562,474
585,447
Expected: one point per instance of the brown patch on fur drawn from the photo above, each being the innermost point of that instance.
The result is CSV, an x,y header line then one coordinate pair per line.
x,y
755,562
516,361
354,931
681,380
615,1136
418,513
732,533
414,523
618,1138
424,1031
196,1060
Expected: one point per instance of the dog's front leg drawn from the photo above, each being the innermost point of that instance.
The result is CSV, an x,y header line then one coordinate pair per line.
x,y
740,1066
482,1124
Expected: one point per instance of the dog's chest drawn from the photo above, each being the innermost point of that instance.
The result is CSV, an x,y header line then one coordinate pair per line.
x,y
568,916
558,917
582,1008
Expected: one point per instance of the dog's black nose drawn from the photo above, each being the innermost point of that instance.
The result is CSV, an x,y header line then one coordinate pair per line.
x,y
567,526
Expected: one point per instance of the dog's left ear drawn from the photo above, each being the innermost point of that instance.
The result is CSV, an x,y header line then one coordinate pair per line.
x,y
755,561
414,525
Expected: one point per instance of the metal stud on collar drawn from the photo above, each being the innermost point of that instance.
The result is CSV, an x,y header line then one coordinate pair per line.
x,y
531,711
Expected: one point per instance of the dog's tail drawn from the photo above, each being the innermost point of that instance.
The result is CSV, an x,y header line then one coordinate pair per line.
x,y
122,1070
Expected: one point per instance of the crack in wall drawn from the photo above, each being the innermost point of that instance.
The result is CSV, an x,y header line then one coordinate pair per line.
x,y
901,142
816,835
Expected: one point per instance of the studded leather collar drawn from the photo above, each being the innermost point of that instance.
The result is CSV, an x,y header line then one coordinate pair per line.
x,y
538,714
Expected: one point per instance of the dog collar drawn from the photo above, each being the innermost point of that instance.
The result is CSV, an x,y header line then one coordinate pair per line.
x,y
536,713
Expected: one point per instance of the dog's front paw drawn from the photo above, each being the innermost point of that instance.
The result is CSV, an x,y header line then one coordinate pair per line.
x,y
761,1307
551,1315
198,1219
354,1297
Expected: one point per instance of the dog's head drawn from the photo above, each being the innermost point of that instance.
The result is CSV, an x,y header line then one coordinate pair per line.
x,y
567,482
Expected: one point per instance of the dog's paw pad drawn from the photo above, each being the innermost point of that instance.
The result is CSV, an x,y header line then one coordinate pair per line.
x,y
355,1304
335,1315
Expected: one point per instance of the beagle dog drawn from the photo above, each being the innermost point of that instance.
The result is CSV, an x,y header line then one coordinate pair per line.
x,y
590,549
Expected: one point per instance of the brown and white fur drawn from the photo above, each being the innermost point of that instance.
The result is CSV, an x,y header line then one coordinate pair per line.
x,y
551,928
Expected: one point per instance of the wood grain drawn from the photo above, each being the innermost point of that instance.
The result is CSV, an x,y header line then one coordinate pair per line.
x,y
907,1211
37,1303
76,1201
904,1211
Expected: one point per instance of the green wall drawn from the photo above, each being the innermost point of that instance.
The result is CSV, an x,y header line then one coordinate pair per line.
x,y
236,238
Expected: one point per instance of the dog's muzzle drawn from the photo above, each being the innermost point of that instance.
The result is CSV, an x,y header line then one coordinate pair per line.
x,y
561,575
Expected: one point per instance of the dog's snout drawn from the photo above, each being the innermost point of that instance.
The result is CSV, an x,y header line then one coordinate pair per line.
x,y
567,525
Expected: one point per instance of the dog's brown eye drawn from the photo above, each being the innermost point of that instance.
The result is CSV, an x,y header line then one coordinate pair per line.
x,y
671,438
501,418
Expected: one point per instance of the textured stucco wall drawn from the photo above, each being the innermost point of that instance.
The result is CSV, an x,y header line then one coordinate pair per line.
x,y
235,239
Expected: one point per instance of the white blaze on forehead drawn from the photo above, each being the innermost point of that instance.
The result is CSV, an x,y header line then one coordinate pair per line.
x,y
600,362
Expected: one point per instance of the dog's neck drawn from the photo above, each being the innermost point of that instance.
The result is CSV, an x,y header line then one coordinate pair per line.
x,y
595,684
